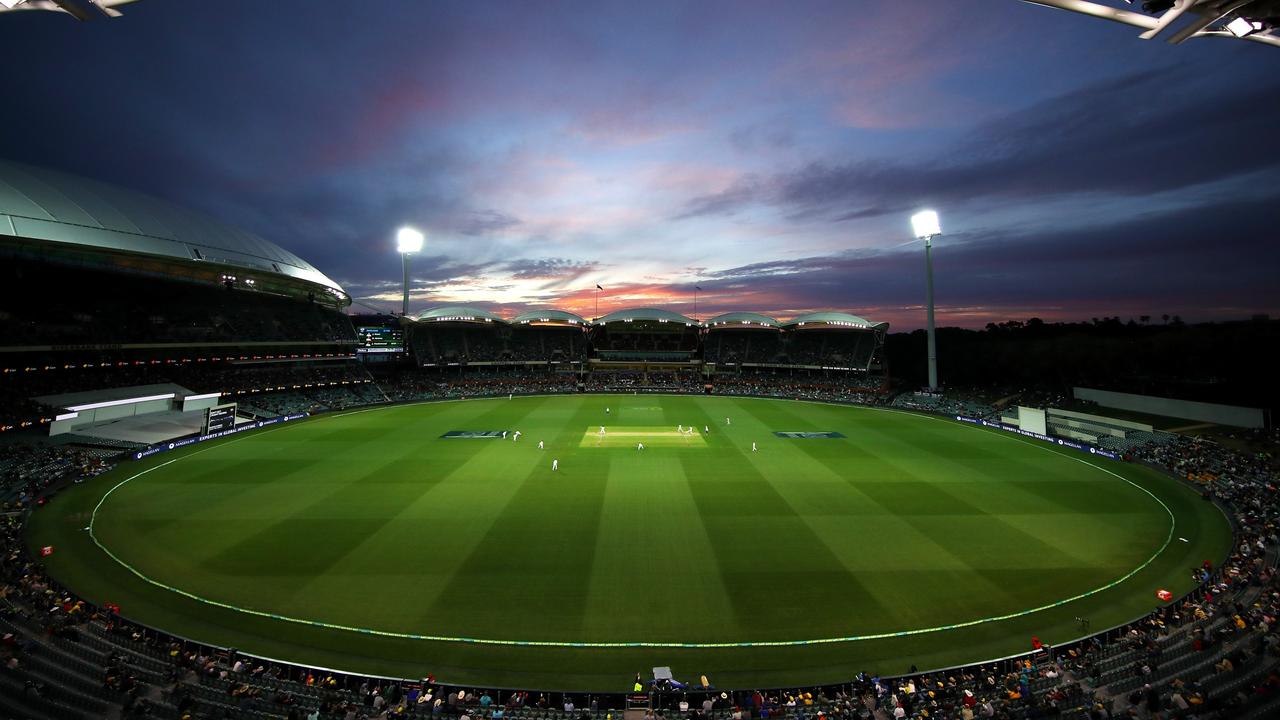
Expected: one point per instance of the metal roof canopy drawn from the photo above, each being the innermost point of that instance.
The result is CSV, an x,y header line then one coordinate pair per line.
x,y
732,320
827,320
54,207
548,316
458,313
646,314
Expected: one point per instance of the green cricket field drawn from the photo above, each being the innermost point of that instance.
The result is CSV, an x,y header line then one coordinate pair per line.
x,y
758,542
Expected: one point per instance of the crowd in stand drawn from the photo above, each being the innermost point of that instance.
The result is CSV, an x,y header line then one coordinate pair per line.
x,y
751,346
313,400
28,468
945,405
441,385
623,381
197,314
550,344
1206,460
841,387
18,389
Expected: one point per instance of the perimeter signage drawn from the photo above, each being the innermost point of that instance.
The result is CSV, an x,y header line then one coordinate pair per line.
x,y
1064,442
193,439
474,434
829,435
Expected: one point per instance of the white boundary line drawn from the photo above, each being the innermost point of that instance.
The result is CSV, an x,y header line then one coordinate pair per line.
x,y
630,644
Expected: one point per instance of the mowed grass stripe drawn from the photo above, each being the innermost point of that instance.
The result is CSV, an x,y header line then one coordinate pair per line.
x,y
529,575
978,538
782,579
301,522
785,506
650,528
875,537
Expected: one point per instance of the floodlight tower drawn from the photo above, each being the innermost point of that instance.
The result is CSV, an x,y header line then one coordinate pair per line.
x,y
408,242
925,224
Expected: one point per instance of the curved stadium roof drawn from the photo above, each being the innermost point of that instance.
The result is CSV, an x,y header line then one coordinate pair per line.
x,y
457,313
656,314
742,318
830,318
548,316
54,207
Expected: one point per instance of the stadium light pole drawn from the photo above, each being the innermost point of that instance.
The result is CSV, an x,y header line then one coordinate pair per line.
x,y
408,242
925,224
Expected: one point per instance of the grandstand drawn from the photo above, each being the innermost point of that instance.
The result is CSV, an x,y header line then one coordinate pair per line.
x,y
151,293
644,335
743,339
834,339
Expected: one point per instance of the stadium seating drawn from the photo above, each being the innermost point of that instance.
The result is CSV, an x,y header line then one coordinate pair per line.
x,y
96,308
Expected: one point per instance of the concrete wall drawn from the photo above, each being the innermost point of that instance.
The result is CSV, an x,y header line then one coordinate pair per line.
x,y
1204,412
1055,412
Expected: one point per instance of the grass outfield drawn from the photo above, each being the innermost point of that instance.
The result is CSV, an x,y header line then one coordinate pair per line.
x,y
348,540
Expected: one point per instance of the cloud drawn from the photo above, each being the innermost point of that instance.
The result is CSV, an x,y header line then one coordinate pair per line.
x,y
1131,136
551,269
1179,262
486,222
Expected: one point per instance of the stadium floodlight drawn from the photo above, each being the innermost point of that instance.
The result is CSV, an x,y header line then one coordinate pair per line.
x,y
926,226
1241,27
408,241
925,223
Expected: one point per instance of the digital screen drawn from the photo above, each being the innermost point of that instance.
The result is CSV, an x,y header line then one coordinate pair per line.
x,y
380,340
219,418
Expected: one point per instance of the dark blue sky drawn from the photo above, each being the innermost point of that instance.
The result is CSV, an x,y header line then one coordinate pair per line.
x,y
771,153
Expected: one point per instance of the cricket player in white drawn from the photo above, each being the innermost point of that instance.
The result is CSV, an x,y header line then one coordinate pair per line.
x,y
555,464
516,436
639,446
753,447
540,447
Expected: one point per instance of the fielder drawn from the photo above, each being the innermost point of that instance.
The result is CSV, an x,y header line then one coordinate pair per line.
x,y
540,447
516,436
555,464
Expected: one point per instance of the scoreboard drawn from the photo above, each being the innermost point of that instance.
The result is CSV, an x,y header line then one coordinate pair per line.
x,y
379,339
219,418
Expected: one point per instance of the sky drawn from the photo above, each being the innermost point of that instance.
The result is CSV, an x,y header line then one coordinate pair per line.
x,y
768,153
